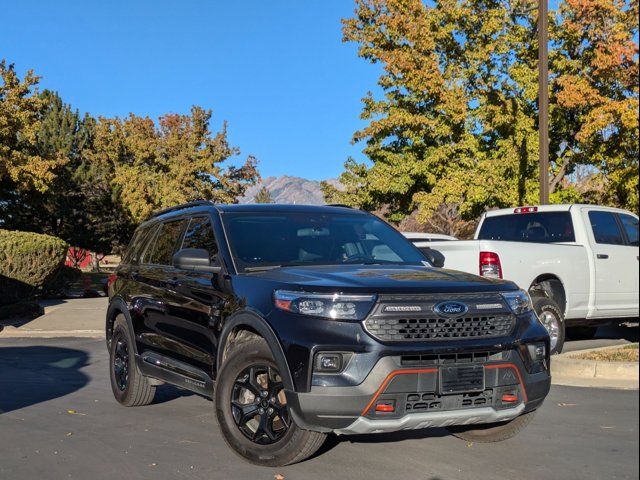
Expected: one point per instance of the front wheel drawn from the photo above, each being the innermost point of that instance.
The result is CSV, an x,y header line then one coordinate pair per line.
x,y
252,411
492,432
551,316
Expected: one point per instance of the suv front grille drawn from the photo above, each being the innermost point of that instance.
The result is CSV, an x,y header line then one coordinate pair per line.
x,y
418,318
417,329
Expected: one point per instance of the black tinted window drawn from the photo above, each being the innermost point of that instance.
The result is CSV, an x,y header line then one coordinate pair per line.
x,y
165,243
315,239
605,228
140,238
630,225
200,235
542,227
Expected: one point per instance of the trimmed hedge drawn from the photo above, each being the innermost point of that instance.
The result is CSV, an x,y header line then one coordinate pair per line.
x,y
27,262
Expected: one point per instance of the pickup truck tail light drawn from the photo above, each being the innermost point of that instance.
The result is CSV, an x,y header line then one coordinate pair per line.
x,y
490,266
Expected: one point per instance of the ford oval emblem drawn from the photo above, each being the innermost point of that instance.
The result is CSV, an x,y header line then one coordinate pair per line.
x,y
451,308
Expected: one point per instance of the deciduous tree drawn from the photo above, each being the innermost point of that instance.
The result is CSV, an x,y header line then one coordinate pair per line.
x,y
22,167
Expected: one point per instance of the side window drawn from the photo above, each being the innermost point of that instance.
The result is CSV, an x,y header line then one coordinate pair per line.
x,y
630,225
605,228
200,235
165,243
141,237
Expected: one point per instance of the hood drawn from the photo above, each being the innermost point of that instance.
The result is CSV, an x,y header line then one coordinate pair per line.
x,y
381,279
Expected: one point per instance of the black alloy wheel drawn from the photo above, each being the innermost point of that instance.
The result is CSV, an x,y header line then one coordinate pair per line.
x,y
259,406
121,362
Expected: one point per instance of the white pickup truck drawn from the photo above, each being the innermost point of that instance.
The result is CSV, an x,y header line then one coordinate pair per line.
x,y
578,262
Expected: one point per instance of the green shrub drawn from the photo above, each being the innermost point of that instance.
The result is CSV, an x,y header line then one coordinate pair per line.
x,y
27,262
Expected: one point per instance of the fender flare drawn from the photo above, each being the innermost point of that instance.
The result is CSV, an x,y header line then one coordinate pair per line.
x,y
117,304
247,318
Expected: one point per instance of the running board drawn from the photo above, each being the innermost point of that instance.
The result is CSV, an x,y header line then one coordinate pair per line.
x,y
175,372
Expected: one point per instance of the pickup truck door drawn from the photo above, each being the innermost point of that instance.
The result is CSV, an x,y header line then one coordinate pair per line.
x,y
630,227
616,268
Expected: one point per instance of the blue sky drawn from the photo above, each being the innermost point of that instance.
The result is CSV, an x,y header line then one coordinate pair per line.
x,y
277,70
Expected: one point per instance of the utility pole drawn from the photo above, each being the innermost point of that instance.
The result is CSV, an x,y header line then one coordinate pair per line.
x,y
543,98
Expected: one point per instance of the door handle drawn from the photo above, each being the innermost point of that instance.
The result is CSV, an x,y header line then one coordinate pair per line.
x,y
602,256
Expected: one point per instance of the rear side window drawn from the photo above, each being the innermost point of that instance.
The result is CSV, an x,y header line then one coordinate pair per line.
x,y
200,235
539,227
165,244
140,238
605,228
630,225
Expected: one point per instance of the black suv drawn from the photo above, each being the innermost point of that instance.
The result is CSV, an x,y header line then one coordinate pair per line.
x,y
306,320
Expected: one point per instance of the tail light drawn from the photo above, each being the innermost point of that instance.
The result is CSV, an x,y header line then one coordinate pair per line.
x,y
490,266
526,210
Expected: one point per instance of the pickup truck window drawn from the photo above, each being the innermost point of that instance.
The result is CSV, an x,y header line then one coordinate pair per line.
x,y
605,228
286,239
539,227
630,225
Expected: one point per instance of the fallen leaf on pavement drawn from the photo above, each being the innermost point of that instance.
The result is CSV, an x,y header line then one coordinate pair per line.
x,y
73,412
69,434
277,476
562,404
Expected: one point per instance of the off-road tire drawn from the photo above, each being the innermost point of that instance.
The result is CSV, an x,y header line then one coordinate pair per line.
x,y
295,446
138,390
543,305
492,432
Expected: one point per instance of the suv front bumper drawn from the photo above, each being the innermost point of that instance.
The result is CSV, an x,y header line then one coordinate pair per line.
x,y
418,401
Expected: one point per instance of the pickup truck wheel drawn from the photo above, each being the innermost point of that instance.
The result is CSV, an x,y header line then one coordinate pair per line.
x,y
492,432
251,408
130,388
552,318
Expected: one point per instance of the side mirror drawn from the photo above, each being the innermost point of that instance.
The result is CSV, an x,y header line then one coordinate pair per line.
x,y
435,257
196,259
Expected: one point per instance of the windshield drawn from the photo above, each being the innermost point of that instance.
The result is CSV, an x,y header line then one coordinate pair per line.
x,y
541,227
283,239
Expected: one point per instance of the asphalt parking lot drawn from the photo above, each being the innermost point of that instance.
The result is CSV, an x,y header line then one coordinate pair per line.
x,y
58,420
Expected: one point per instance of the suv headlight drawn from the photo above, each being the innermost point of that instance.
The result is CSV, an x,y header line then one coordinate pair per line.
x,y
336,306
519,301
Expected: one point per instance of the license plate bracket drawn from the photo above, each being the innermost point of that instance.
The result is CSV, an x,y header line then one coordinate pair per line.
x,y
461,379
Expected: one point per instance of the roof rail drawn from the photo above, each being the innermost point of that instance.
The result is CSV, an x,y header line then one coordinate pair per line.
x,y
339,205
195,203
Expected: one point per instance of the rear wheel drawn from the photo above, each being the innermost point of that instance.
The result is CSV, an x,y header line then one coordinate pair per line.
x,y
492,432
129,386
551,316
252,411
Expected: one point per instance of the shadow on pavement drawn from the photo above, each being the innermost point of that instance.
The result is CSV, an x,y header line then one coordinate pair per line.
x,y
33,374
333,441
615,332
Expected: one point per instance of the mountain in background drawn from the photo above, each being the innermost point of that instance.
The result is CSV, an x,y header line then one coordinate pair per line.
x,y
286,189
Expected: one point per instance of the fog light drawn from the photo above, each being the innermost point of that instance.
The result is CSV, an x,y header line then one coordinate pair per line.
x,y
329,362
537,351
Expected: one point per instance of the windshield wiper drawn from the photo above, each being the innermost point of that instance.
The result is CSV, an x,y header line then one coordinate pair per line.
x,y
262,268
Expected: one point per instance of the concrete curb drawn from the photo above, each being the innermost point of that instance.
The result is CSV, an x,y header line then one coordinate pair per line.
x,y
12,332
566,369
